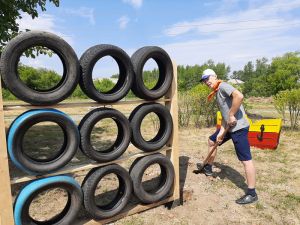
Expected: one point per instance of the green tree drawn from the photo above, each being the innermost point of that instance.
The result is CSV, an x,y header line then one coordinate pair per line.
x,y
237,75
289,99
248,72
284,72
268,79
189,76
247,75
256,78
11,10
220,68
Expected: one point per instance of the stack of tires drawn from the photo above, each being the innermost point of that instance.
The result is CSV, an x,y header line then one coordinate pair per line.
x,y
79,136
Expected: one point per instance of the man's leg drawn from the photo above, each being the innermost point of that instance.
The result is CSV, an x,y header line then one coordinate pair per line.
x,y
250,173
242,147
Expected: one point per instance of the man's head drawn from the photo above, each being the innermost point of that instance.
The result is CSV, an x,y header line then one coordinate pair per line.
x,y
209,77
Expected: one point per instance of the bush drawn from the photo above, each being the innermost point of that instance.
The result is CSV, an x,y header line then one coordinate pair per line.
x,y
7,95
289,99
78,93
38,79
194,107
104,85
204,111
185,109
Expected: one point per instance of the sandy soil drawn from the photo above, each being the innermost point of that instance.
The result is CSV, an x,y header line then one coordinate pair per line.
x,y
213,200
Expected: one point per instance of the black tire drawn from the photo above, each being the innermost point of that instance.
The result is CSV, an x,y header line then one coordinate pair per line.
x,y
21,125
134,162
118,203
123,137
165,66
165,129
87,63
166,178
9,62
30,191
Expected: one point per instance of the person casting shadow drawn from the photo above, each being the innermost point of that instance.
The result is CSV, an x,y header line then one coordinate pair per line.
x,y
231,174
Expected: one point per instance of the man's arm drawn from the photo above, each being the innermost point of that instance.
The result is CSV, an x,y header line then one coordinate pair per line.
x,y
237,99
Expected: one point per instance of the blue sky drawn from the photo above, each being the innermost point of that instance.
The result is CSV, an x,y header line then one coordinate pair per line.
x,y
229,31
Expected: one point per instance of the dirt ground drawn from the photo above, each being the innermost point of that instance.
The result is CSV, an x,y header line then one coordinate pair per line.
x,y
212,200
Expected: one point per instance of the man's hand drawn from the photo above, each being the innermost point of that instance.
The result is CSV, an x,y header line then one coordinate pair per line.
x,y
220,138
231,121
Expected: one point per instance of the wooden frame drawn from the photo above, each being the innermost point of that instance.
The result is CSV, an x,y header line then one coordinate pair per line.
x,y
171,149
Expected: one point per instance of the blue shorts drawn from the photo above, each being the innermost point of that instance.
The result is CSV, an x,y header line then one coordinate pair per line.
x,y
240,141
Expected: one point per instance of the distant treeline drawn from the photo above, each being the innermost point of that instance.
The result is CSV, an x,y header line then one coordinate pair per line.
x,y
262,79
266,79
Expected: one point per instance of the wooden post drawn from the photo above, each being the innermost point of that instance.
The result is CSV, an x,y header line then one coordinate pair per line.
x,y
173,154
6,207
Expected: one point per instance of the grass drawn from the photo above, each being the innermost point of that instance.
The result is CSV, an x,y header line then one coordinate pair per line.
x,y
290,201
134,220
259,206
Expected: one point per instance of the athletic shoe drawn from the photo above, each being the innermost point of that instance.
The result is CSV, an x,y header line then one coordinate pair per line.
x,y
246,199
207,169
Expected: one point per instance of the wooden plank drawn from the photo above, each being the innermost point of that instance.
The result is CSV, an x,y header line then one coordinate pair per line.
x,y
173,142
73,169
80,104
136,209
6,206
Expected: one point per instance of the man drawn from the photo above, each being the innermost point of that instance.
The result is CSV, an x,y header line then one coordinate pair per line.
x,y
229,101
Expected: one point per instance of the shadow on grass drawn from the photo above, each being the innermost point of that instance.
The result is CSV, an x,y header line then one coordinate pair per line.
x,y
231,174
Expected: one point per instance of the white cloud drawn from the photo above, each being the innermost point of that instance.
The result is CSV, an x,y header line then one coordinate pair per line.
x,y
44,22
83,12
123,21
233,53
263,30
135,3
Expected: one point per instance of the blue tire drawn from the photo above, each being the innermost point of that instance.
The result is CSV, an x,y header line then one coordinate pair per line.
x,y
21,125
30,191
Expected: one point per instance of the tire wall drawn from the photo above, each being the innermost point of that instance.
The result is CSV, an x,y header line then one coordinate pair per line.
x,y
79,72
